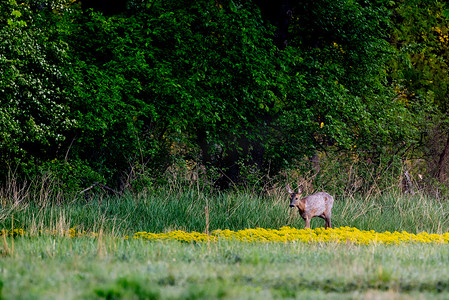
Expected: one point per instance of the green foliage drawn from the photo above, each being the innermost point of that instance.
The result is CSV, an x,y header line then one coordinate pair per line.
x,y
163,81
128,288
420,33
34,111
71,176
346,102
118,98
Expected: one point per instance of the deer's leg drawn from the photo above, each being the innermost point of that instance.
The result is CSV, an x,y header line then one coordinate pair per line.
x,y
307,219
324,217
327,217
328,222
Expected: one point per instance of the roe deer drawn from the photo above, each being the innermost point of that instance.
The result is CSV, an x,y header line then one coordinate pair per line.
x,y
315,205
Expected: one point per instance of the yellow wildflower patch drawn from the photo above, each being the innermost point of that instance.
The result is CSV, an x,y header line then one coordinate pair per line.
x,y
72,232
14,232
345,235
341,235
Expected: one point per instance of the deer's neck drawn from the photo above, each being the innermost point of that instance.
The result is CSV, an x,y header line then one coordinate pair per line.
x,y
302,204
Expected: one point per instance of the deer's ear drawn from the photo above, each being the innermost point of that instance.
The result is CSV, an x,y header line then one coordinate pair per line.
x,y
299,190
289,190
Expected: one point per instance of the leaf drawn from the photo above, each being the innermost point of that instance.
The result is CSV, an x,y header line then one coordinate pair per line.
x,y
16,13
446,13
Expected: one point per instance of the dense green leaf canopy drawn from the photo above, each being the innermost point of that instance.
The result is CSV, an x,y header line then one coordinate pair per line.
x,y
114,96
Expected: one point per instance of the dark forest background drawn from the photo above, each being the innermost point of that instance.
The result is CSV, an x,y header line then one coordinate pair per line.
x,y
117,96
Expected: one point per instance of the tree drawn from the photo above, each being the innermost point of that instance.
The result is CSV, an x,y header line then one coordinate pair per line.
x,y
198,75
421,35
34,111
131,90
347,102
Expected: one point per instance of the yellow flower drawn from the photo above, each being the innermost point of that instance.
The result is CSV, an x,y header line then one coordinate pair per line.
x,y
347,235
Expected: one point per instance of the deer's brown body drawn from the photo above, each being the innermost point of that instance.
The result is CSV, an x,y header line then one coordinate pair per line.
x,y
315,205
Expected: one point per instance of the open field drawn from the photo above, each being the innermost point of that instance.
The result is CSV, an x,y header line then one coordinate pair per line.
x,y
50,267
46,263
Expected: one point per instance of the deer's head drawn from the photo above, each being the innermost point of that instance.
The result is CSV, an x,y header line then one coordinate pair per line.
x,y
294,197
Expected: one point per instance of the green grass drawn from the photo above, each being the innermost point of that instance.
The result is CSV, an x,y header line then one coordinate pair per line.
x,y
185,210
110,268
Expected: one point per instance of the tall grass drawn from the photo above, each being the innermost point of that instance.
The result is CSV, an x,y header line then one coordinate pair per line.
x,y
185,208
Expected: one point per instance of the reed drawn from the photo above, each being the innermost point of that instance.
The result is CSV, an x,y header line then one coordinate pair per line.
x,y
184,209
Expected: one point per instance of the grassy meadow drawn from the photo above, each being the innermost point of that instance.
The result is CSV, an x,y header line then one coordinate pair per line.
x,y
111,268
45,263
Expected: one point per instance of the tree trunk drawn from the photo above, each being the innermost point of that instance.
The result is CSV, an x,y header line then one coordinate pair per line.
x,y
443,161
